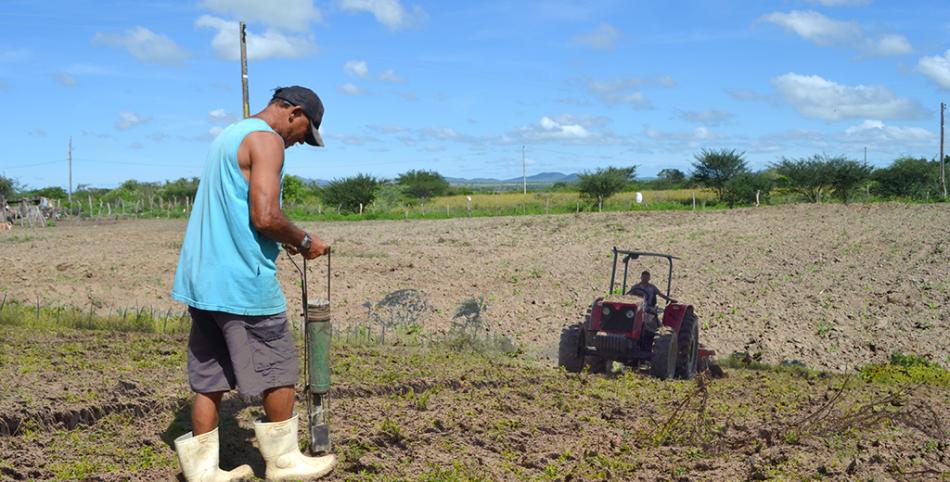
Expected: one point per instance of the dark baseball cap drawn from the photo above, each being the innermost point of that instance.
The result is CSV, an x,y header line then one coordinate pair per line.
x,y
311,105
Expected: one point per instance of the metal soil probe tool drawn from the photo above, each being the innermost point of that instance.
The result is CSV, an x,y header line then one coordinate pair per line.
x,y
317,335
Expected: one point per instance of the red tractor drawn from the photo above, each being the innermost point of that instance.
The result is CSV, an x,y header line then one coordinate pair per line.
x,y
626,327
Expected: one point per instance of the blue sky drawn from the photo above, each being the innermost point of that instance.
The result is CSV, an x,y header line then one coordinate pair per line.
x,y
459,87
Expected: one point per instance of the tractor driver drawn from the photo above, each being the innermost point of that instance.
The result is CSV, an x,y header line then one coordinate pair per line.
x,y
649,292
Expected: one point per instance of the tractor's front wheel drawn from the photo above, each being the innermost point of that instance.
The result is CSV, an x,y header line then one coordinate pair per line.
x,y
664,353
569,349
687,359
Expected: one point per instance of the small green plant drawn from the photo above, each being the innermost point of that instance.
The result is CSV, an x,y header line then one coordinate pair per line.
x,y
391,431
824,329
904,369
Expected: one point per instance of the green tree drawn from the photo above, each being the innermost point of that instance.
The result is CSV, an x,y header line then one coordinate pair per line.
x,y
9,187
808,176
421,184
908,177
714,168
349,192
605,182
179,188
51,192
667,179
299,191
846,175
741,188
672,176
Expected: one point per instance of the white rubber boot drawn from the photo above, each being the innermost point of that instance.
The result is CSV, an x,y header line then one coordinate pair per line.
x,y
198,457
281,451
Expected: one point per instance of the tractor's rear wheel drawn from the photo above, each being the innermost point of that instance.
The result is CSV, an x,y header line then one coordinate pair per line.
x,y
663,355
569,349
687,358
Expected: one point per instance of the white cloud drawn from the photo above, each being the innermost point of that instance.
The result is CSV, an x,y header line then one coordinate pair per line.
x,y
816,27
389,75
936,68
605,36
221,115
350,89
136,145
65,78
877,130
825,32
128,120
815,97
888,45
356,68
145,45
390,13
290,14
627,91
551,129
272,44
214,131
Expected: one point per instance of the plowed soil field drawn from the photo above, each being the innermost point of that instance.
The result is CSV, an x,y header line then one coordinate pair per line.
x,y
832,286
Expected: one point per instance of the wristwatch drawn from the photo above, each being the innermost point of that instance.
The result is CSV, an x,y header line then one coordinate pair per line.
x,y
305,244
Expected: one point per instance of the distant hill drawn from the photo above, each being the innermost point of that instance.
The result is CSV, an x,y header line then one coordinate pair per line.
x,y
544,178
540,179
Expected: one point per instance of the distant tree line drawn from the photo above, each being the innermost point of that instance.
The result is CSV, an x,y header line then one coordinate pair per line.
x,y
811,178
725,171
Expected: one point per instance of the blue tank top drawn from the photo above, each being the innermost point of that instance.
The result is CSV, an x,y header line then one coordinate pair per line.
x,y
225,263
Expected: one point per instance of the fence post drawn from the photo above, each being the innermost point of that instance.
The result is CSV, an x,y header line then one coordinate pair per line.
x,y
757,197
694,201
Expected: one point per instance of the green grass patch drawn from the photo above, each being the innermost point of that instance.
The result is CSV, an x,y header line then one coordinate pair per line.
x,y
143,319
903,369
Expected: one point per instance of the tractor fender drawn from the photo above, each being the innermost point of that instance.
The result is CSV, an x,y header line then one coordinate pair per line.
x,y
674,313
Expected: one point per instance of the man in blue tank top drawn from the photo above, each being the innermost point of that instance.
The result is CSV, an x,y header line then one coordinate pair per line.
x,y
227,275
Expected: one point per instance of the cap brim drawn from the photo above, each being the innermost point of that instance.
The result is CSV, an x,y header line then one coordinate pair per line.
x,y
314,139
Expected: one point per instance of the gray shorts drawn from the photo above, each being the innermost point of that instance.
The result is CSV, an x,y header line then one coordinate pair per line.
x,y
250,353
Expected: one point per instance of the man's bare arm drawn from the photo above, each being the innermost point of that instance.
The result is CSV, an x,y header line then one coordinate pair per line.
x,y
266,153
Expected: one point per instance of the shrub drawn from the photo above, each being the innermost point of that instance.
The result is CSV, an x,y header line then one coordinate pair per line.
x,y
905,369
846,175
808,176
741,189
299,191
909,178
603,183
422,184
349,192
9,187
715,168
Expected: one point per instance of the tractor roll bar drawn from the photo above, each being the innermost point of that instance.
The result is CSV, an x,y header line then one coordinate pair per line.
x,y
628,255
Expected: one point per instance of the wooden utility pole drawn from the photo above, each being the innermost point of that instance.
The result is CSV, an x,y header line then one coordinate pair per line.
x,y
943,168
524,172
69,159
243,35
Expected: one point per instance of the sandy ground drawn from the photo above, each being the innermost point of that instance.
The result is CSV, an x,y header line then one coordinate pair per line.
x,y
833,286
